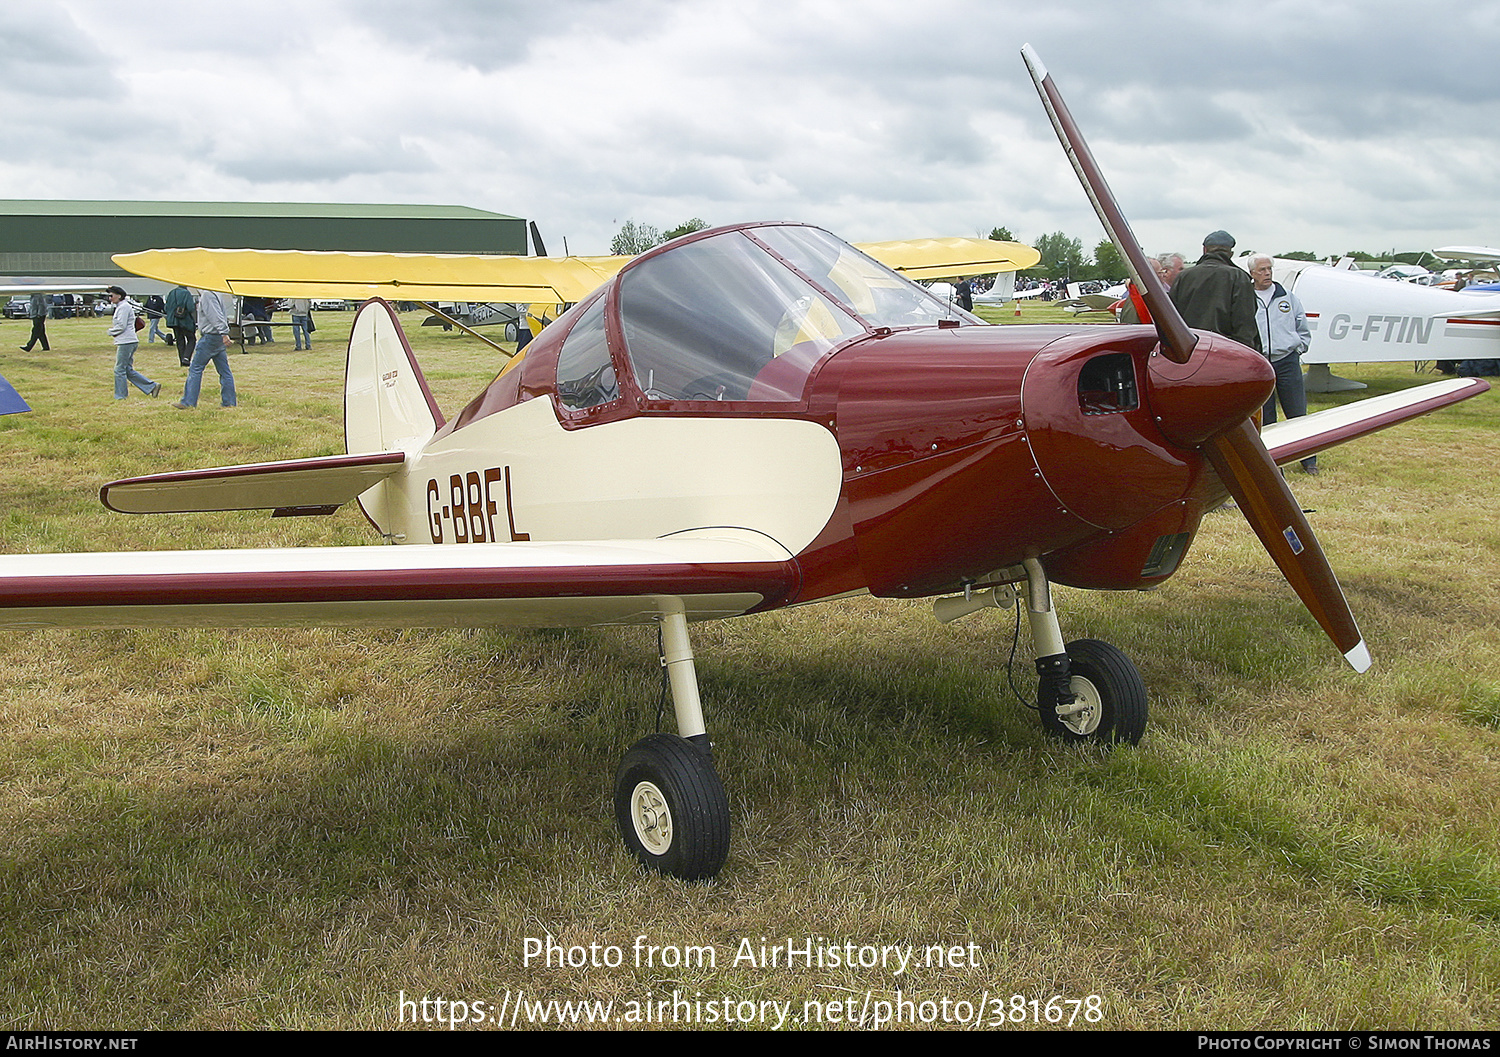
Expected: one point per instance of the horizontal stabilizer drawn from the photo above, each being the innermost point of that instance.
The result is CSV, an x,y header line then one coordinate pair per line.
x,y
317,485
1298,438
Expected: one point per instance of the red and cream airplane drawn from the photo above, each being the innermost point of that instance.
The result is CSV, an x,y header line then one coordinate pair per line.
x,y
746,418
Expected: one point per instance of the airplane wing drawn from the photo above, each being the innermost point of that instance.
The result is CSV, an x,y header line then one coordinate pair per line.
x,y
1297,438
945,258
360,276
714,573
1468,253
295,486
471,277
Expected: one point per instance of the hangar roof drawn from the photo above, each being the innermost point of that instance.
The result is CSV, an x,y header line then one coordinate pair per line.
x,y
77,238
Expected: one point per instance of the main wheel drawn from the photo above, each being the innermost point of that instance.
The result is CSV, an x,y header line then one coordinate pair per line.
x,y
1109,688
671,808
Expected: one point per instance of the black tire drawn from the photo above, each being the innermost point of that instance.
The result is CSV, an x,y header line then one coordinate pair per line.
x,y
671,808
1104,678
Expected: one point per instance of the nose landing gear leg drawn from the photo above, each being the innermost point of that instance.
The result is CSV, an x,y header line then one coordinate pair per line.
x,y
1088,690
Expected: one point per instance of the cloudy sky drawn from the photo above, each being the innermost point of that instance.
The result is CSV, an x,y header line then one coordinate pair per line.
x,y
1327,126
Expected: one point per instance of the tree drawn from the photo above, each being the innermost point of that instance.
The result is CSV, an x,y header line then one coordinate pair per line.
x,y
1299,255
1108,264
687,227
634,238
1002,235
1062,257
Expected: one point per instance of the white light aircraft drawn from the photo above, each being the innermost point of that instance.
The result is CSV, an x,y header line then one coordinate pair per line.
x,y
1357,317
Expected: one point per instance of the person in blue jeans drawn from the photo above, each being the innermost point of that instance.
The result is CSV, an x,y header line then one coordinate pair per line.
x,y
122,331
213,344
301,309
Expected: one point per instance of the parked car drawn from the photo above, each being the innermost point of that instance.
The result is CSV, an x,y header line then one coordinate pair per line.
x,y
18,306
326,305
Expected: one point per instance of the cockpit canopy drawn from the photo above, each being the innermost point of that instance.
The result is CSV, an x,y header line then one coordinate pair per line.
x,y
741,315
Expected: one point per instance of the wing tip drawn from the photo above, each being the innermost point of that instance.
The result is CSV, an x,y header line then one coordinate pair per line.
x,y
1358,657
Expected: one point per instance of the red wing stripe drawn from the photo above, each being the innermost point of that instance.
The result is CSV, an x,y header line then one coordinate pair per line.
x,y
775,581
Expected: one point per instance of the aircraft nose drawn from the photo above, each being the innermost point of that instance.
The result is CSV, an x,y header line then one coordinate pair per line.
x,y
1221,384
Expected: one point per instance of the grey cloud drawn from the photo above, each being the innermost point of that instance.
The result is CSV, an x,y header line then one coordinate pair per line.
x,y
49,64
496,34
272,160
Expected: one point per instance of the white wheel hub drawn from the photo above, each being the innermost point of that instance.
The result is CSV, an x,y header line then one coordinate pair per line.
x,y
1083,715
651,817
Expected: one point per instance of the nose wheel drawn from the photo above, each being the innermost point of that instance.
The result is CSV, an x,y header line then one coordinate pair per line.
x,y
1108,697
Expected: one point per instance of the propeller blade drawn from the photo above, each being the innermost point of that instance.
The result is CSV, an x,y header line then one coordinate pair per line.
x,y
1256,483
1176,339
1243,463
536,241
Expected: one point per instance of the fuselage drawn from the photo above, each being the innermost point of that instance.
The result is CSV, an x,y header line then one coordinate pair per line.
x,y
904,460
1356,317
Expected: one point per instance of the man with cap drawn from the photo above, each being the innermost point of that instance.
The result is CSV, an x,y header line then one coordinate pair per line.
x,y
1216,294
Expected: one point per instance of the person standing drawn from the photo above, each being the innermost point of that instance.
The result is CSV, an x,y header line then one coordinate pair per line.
x,y
1169,267
213,344
36,308
1284,337
122,330
182,317
155,309
1216,294
301,310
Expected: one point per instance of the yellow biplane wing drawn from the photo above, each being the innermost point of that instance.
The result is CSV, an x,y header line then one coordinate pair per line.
x,y
951,258
359,276
470,277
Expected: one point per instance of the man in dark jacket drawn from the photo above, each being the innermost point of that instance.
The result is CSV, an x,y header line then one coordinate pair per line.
x,y
36,308
182,316
1216,294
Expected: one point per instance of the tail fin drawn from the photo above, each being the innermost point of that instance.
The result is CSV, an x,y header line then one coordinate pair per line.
x,y
387,405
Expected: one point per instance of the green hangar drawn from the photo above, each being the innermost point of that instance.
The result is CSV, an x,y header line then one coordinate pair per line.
x,y
74,240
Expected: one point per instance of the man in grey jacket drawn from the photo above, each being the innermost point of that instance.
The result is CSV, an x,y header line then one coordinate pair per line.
x,y
1284,337
213,342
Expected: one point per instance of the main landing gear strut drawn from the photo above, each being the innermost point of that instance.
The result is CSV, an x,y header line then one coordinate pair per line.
x,y
669,802
1087,691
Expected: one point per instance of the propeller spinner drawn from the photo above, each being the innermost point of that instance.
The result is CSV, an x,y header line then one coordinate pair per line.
x,y
1234,448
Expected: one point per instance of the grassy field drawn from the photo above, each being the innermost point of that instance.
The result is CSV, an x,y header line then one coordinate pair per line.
x,y
297,829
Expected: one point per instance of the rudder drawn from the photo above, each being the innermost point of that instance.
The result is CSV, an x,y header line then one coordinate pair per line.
x,y
387,404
